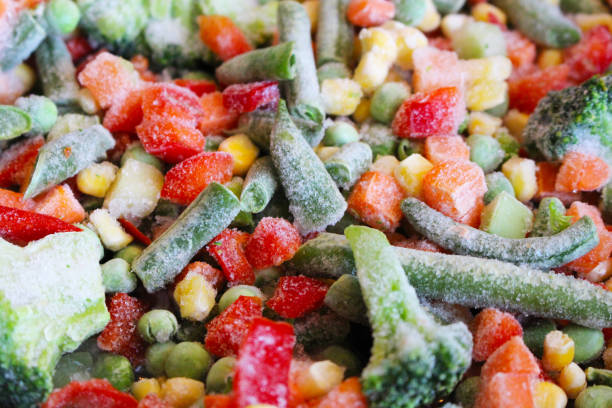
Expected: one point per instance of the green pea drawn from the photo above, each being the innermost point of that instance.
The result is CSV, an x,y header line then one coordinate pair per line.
x,y
221,375
41,109
387,100
63,15
486,152
340,133
130,252
157,326
213,142
404,149
116,369
155,358
137,152
534,333
72,367
466,391
117,276
343,357
191,331
588,343
188,359
597,396
235,292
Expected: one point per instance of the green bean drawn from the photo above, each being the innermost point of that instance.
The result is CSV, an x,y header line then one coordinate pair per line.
x,y
387,100
117,277
588,343
72,367
41,109
302,92
188,359
137,152
410,12
326,256
57,72
344,297
314,198
220,376
14,122
583,6
116,369
211,212
343,357
486,152
156,356
233,293
381,139
534,332
606,203
597,396
25,37
466,391
349,163
496,183
157,326
332,70
130,252
599,376
448,7
277,63
340,133
65,156
62,16
259,185
550,218
334,33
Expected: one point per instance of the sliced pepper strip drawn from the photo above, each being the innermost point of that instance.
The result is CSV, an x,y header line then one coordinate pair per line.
x,y
20,227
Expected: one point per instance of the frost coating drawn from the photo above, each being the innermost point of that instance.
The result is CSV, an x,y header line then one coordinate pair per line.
x,y
259,185
349,163
326,256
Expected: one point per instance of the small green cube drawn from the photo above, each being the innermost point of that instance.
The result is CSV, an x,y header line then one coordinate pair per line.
x,y
506,217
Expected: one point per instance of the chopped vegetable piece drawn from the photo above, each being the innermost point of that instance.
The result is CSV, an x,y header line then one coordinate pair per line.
x,y
296,296
222,36
591,56
273,242
602,251
21,227
581,172
13,122
228,249
368,13
504,207
525,90
550,218
17,162
83,394
349,163
439,148
259,186
216,117
244,98
491,329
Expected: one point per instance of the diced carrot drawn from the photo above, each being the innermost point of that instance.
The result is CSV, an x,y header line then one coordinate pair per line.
x,y
17,162
368,13
440,148
346,394
582,172
546,174
125,114
512,357
602,251
222,36
435,68
60,202
472,217
521,51
141,65
216,117
490,330
506,390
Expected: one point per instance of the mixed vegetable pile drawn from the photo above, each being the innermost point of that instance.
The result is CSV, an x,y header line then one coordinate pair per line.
x,y
326,203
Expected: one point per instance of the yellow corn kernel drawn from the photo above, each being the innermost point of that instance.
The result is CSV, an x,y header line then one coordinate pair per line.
x,y
96,179
242,149
26,76
607,358
319,379
481,123
195,297
516,121
144,387
572,379
385,164
410,173
109,230
453,22
550,58
312,9
407,39
521,173
432,18
549,395
558,351
325,152
496,68
483,95
371,71
340,96
181,392
379,41
483,11
87,102
362,112
588,21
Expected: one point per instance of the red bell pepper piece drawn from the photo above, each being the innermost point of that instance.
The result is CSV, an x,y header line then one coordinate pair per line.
x,y
17,161
133,231
274,241
78,47
218,401
525,89
125,114
153,401
170,101
222,36
217,117
228,249
296,296
490,330
591,56
197,86
244,98
92,393
262,368
20,227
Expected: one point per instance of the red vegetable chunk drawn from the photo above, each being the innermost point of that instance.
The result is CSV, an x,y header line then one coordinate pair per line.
x,y
134,231
491,329
197,86
87,394
368,13
125,114
20,227
211,275
274,241
507,390
244,98
171,141
526,89
153,401
296,296
18,161
172,102
228,249
512,357
222,36
591,56
218,401
217,117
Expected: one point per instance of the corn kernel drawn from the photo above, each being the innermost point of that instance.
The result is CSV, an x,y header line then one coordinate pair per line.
x,y
312,9
109,230
550,58
325,152
379,41
195,297
407,39
410,173
371,71
558,350
87,102
385,164
362,112
484,11
26,76
319,379
242,149
607,358
516,121
144,387
181,392
481,123
483,95
572,379
96,179
521,173
432,18
496,68
588,21
453,22
549,395
340,96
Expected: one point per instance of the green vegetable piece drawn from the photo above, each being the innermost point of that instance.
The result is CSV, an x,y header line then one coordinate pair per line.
x,y
534,333
277,63
343,357
501,109
221,376
116,369
599,376
259,185
321,328
349,163
65,156
507,142
188,359
597,396
486,152
344,297
550,218
34,335
466,392
537,252
540,21
62,16
340,133
157,326
302,92
410,12
381,139
332,70
72,367
402,373
506,217
57,72
583,6
156,356
71,122
41,109
606,203
588,343
448,7
137,152
117,277
14,122
314,198
387,99
326,256
159,9
130,252
259,23
25,36
335,36
496,183
211,212
233,293
479,40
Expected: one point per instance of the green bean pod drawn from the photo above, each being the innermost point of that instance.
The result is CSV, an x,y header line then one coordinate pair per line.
x,y
597,396
326,256
259,185
209,214
599,376
344,297
26,36
550,218
334,33
349,163
57,72
14,122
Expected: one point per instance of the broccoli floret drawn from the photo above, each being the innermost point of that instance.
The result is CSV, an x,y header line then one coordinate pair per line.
x,y
414,359
577,118
51,299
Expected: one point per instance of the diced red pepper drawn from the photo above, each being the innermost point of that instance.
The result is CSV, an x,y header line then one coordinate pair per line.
x,y
217,117
134,231
226,332
212,275
439,112
296,296
12,199
125,114
78,47
526,89
20,227
491,329
188,178
274,241
244,98
591,56
368,13
222,36
197,86
262,368
92,393
218,401
172,102
153,401
17,161
521,51
120,335
228,249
